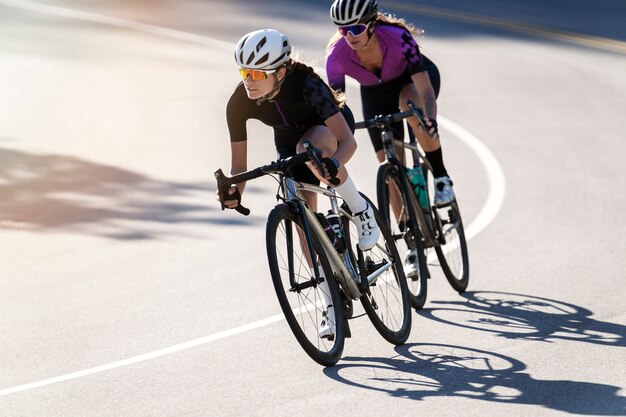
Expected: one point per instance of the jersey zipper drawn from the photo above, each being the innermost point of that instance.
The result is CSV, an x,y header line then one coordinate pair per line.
x,y
281,113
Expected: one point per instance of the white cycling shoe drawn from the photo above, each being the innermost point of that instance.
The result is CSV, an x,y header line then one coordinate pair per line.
x,y
369,232
410,261
443,191
327,326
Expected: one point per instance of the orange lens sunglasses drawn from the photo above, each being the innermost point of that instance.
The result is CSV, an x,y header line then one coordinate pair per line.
x,y
257,75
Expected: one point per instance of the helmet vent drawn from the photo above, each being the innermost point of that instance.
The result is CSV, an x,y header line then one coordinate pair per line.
x,y
263,59
261,43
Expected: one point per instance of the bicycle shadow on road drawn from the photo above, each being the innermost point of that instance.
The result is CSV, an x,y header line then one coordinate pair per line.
x,y
425,370
519,316
49,192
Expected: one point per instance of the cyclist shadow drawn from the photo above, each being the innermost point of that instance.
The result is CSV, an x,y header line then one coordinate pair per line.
x,y
48,192
526,317
425,370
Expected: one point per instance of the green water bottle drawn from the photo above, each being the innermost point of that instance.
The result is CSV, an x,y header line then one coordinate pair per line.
x,y
416,177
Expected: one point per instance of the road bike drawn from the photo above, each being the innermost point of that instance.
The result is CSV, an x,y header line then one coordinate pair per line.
x,y
306,249
406,202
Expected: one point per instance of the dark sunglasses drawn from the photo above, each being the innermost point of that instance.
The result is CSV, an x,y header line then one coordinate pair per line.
x,y
256,75
354,30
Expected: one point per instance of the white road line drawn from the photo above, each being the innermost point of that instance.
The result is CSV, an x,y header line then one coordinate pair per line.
x,y
487,214
495,177
147,356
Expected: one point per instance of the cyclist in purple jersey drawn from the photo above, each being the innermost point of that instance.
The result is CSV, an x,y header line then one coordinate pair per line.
x,y
380,53
291,98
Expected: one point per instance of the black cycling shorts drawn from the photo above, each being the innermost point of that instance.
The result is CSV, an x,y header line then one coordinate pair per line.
x,y
383,99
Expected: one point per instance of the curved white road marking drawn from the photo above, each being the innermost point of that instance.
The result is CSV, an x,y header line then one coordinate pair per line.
x,y
147,356
487,214
495,176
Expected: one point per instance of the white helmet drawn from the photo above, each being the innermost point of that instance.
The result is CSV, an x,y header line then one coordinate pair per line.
x,y
264,49
351,12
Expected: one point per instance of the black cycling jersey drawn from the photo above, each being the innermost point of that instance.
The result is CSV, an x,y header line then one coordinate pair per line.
x,y
303,101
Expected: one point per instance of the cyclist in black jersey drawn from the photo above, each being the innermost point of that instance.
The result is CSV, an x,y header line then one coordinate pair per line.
x,y
291,98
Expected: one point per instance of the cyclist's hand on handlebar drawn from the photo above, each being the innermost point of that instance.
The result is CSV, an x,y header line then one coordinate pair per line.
x,y
326,168
331,167
431,126
233,199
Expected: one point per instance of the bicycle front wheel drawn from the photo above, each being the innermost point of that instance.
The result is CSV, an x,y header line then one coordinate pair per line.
x,y
452,255
303,300
386,301
399,215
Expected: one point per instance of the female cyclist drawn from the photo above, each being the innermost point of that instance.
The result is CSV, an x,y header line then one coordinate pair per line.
x,y
291,98
381,54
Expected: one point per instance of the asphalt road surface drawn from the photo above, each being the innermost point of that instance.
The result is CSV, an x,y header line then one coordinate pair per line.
x,y
125,291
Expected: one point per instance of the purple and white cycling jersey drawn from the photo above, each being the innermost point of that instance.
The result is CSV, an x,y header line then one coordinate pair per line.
x,y
400,54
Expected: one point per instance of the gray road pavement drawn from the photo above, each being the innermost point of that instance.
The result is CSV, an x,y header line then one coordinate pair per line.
x,y
125,291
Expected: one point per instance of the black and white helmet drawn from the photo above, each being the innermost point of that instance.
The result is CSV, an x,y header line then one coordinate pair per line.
x,y
351,12
264,49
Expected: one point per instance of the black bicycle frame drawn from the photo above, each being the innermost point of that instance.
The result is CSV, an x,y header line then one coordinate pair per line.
x,y
424,222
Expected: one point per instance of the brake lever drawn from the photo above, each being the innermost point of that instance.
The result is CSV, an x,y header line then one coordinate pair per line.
x,y
222,188
418,113
315,157
221,184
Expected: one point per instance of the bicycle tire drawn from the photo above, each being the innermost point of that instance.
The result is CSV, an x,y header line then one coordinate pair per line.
x,y
302,308
403,227
386,302
451,250
453,255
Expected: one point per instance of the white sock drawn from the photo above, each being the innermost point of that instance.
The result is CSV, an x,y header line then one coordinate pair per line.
x,y
351,196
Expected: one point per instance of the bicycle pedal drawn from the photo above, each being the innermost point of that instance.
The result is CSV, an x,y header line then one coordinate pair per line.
x,y
371,266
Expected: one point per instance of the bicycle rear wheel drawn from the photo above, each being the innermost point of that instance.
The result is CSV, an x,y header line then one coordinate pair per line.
x,y
386,301
302,300
452,248
453,255
399,215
